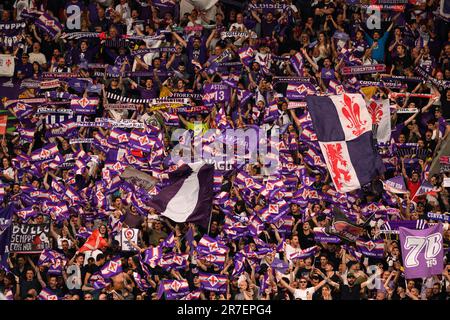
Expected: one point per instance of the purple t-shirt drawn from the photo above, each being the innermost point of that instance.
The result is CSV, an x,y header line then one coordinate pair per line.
x,y
148,93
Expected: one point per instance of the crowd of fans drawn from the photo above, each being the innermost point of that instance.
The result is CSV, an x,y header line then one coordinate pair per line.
x,y
415,36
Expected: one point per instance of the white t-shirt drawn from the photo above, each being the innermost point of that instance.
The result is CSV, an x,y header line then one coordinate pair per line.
x,y
303,293
238,27
8,173
37,57
125,10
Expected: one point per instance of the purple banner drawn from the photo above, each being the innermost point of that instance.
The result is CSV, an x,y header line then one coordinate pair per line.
x,y
422,251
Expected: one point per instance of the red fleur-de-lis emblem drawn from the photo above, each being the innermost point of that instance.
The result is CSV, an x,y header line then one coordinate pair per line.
x,y
301,89
375,111
269,186
130,159
273,208
49,23
314,194
122,138
339,89
213,280
143,140
213,246
305,193
317,160
117,166
370,245
178,260
83,102
249,182
211,258
20,106
175,285
44,153
351,111
112,267
8,62
100,195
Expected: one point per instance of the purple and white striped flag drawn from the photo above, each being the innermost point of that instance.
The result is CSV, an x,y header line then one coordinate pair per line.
x,y
189,197
175,289
371,248
297,63
111,268
84,105
213,282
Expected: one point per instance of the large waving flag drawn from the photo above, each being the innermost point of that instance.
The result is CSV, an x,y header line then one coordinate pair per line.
x,y
344,129
189,197
422,251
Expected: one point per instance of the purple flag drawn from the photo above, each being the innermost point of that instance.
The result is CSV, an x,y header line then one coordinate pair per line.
x,y
84,105
395,185
422,251
175,289
111,268
213,282
371,248
189,197
297,62
321,235
209,245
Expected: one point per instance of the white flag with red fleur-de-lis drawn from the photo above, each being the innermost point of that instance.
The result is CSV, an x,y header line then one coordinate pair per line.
x,y
7,65
343,127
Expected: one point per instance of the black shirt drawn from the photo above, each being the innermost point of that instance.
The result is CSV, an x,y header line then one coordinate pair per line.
x,y
350,293
306,241
27,285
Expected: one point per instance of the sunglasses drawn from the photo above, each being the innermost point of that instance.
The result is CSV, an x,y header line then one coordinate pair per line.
x,y
303,282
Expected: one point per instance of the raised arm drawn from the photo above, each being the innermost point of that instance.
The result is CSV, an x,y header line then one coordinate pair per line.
x,y
180,39
313,64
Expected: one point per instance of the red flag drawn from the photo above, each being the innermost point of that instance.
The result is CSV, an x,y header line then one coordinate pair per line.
x,y
137,153
3,122
95,241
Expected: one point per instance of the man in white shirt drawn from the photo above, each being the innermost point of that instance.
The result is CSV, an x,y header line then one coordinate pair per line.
x,y
37,56
301,293
239,24
124,9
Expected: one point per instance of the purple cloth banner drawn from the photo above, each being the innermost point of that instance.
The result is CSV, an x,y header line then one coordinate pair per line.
x,y
422,251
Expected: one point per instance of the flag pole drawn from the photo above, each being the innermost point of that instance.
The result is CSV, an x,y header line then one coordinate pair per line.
x,y
209,223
